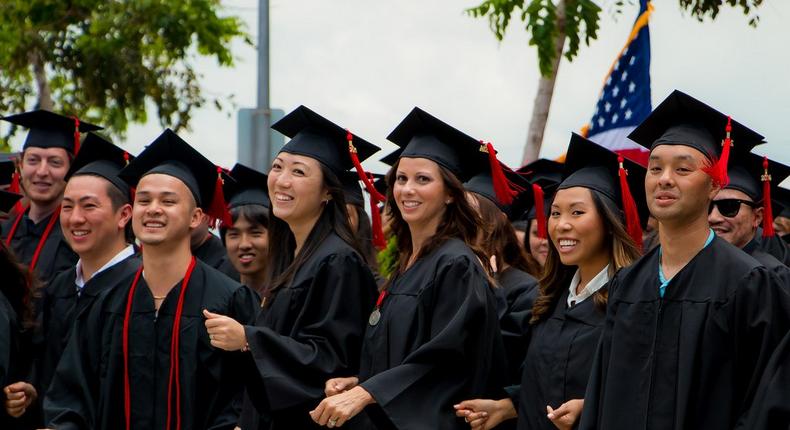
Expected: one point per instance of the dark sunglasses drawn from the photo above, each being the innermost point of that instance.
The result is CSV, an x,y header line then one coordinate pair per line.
x,y
729,207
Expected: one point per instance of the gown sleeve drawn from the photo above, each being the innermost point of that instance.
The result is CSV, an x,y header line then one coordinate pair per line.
x,y
462,325
760,315
326,340
73,392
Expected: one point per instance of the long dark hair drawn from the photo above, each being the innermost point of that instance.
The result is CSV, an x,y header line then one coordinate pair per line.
x,y
281,266
499,239
557,276
460,220
364,235
19,287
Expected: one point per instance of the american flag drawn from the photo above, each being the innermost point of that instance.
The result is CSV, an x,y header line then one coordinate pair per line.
x,y
625,97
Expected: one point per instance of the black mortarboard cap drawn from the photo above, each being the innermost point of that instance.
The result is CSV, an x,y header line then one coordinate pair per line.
x,y
391,158
543,172
592,166
747,171
781,201
49,130
316,137
380,183
483,184
421,135
248,187
100,157
171,155
351,189
683,120
7,169
8,200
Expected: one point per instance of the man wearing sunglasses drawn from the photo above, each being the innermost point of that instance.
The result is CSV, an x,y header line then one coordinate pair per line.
x,y
738,211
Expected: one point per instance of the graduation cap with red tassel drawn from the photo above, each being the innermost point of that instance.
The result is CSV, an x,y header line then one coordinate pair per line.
x,y
683,120
544,175
50,130
171,155
592,166
758,177
9,174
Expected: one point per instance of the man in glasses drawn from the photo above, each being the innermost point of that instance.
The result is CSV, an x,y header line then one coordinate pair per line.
x,y
739,210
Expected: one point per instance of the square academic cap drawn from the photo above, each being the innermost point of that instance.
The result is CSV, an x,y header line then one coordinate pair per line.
x,y
316,137
171,155
249,187
758,177
50,130
8,200
421,135
101,158
592,166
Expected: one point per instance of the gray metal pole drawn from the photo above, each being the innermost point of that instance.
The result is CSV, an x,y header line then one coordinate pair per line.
x,y
262,149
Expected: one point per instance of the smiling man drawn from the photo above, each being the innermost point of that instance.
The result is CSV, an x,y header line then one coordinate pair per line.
x,y
35,235
94,218
692,324
739,209
141,357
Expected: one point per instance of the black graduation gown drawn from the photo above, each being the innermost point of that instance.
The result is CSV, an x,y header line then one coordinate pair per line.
x,y
437,343
771,408
213,253
62,304
773,245
520,290
693,358
558,361
87,390
310,331
14,354
56,255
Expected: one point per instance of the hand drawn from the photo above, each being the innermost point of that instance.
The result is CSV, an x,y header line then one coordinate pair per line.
x,y
566,415
19,396
224,332
339,385
336,410
485,414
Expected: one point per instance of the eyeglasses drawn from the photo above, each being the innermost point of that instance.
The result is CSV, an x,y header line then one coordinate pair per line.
x,y
729,207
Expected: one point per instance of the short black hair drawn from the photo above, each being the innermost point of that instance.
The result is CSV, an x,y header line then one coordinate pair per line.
x,y
256,214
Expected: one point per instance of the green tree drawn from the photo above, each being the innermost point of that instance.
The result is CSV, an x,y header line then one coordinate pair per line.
x,y
106,61
553,24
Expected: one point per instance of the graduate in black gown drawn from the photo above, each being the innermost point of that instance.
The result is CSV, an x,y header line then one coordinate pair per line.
x,y
209,249
16,324
140,357
771,408
320,289
94,217
35,235
544,175
246,239
594,228
692,324
514,271
739,209
433,338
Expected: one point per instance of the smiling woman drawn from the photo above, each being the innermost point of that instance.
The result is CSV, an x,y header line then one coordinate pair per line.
x,y
434,335
318,288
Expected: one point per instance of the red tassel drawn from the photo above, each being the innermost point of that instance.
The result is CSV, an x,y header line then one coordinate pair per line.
x,y
15,188
632,223
722,177
540,211
363,176
76,135
768,212
503,188
379,241
218,210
